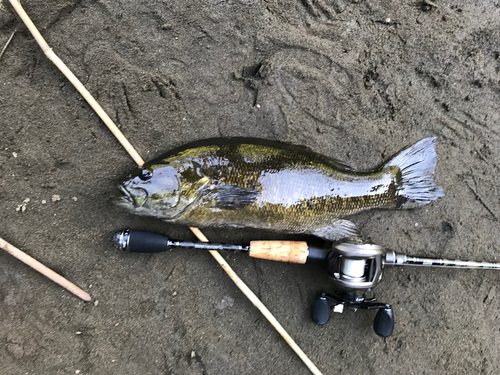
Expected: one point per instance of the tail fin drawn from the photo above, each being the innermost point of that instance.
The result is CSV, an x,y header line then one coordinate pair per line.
x,y
417,165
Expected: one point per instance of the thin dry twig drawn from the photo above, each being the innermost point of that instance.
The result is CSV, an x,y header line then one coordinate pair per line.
x,y
8,42
44,270
76,82
428,2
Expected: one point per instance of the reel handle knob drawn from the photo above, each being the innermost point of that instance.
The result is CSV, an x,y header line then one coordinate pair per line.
x,y
320,311
137,241
384,321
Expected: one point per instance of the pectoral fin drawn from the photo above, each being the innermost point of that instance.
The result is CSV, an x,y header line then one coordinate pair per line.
x,y
339,230
234,197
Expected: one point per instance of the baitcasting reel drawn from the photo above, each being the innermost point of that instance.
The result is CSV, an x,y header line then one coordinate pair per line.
x,y
355,269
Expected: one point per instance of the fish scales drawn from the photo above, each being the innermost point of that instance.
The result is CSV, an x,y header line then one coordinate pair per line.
x,y
253,183
293,187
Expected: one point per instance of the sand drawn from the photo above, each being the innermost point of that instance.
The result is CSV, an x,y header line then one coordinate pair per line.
x,y
354,80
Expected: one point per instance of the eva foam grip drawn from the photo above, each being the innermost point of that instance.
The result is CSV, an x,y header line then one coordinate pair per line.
x,y
147,242
281,251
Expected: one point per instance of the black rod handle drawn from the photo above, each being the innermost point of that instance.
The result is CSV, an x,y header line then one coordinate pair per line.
x,y
138,241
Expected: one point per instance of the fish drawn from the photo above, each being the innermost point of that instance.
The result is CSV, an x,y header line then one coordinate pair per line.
x,y
262,184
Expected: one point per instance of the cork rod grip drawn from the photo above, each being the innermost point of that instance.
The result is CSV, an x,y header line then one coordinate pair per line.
x,y
281,251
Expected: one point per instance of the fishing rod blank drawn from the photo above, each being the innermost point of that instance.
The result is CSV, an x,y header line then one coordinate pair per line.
x,y
397,259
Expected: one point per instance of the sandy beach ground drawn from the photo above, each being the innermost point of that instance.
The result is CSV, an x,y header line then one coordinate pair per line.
x,y
354,80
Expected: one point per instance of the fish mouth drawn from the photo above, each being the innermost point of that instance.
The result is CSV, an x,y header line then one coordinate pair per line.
x,y
137,197
126,195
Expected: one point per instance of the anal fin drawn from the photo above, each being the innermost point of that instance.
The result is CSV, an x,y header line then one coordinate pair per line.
x,y
339,230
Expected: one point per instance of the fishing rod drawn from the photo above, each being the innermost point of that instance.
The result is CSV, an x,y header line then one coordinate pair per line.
x,y
354,268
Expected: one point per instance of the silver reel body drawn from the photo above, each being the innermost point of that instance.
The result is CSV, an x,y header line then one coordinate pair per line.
x,y
356,268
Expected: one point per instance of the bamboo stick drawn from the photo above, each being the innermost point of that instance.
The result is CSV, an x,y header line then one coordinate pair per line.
x,y
76,82
44,270
133,153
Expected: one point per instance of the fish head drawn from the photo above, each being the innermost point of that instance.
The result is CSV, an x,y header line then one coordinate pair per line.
x,y
164,191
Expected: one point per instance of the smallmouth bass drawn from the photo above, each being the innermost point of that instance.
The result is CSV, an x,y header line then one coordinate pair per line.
x,y
275,186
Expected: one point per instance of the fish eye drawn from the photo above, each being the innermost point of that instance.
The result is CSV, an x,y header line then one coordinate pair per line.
x,y
145,175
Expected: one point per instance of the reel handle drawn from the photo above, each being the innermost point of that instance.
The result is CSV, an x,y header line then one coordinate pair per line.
x,y
383,325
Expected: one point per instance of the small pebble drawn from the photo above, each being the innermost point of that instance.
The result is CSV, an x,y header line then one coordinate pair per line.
x,y
78,333
44,201
74,199
174,294
388,20
258,105
96,303
193,354
14,154
227,301
416,224
22,206
56,198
